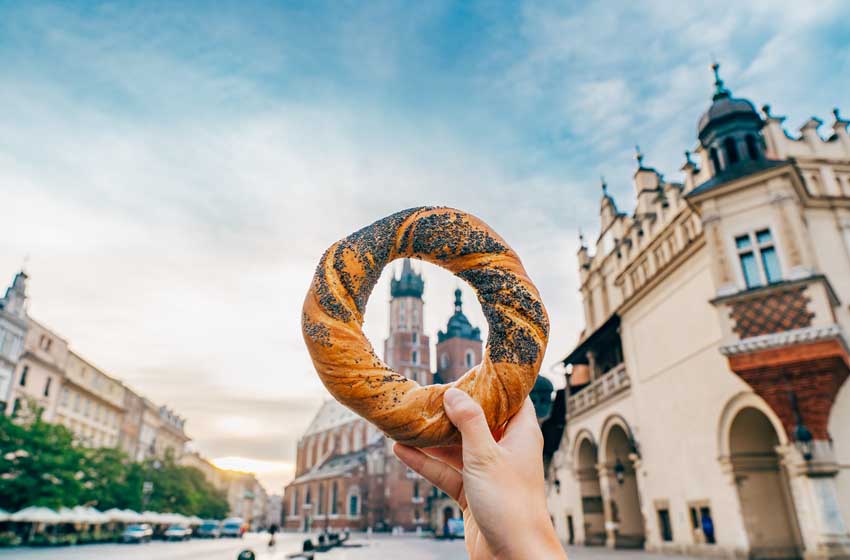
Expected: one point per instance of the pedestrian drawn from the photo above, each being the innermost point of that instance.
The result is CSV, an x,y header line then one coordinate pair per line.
x,y
272,531
497,484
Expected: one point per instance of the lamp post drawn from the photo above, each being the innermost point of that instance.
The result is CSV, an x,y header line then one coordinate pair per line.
x,y
620,472
803,439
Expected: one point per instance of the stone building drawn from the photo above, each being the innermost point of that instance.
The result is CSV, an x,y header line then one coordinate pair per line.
x,y
707,411
131,423
13,330
39,372
458,347
91,403
346,475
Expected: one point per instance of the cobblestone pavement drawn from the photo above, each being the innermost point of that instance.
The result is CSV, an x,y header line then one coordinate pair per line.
x,y
376,547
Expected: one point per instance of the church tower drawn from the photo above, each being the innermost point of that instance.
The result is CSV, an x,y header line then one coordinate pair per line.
x,y
458,347
407,348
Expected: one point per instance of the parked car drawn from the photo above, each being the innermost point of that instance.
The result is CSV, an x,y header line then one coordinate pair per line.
x,y
140,532
232,527
209,530
178,533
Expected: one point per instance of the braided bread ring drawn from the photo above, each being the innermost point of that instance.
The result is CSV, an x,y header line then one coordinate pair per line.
x,y
333,310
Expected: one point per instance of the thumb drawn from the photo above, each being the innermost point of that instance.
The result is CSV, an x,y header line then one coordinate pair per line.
x,y
469,419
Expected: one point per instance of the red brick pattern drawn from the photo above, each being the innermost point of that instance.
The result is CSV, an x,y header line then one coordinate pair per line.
x,y
773,312
814,371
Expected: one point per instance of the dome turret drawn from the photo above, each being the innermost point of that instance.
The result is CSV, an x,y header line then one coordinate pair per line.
x,y
459,325
730,129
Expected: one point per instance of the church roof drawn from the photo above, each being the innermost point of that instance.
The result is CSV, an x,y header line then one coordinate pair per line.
x,y
409,284
459,325
330,415
335,466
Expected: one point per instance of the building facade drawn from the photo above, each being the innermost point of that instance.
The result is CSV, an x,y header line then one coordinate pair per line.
x,y
39,373
346,475
707,411
131,423
91,403
13,331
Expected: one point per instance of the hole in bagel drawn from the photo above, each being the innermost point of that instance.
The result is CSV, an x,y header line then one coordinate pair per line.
x,y
427,338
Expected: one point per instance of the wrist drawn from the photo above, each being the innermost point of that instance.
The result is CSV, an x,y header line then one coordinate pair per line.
x,y
536,540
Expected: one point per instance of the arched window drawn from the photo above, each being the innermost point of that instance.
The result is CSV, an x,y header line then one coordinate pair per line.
x,y
470,358
334,498
752,148
715,159
414,357
731,150
444,361
414,338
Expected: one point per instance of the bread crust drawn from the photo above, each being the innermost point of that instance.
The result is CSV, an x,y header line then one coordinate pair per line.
x,y
407,412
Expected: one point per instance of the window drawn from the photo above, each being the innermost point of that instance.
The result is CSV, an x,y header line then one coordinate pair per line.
x,y
416,489
470,358
702,523
66,395
414,338
353,505
444,361
76,402
334,498
414,357
47,386
24,373
664,525
16,407
759,261
295,502
321,505
752,148
731,150
308,499
715,159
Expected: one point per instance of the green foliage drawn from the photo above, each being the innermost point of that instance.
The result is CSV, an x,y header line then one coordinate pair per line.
x,y
41,465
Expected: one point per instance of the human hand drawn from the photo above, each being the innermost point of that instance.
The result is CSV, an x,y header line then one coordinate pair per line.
x,y
498,485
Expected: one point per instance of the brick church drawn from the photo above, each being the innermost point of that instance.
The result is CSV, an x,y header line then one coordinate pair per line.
x,y
346,475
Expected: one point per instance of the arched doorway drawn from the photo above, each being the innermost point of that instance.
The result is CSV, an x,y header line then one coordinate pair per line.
x,y
766,504
626,525
593,513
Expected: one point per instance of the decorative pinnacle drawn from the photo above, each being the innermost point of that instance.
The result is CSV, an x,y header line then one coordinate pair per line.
x,y
580,238
604,185
688,159
458,301
639,156
720,90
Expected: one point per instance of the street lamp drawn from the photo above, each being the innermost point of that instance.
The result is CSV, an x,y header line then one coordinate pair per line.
x,y
620,472
803,439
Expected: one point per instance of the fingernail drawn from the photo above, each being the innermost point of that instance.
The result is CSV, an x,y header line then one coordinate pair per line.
x,y
454,397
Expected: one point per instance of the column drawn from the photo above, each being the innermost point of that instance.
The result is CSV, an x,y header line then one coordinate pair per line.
x,y
822,527
606,476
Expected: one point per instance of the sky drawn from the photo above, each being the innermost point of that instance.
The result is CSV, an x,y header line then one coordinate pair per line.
x,y
172,172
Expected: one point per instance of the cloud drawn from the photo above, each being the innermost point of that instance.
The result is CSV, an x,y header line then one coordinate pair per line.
x,y
175,173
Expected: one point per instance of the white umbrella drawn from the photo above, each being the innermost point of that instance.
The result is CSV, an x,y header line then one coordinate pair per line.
x,y
195,520
130,516
36,514
91,515
66,515
4,515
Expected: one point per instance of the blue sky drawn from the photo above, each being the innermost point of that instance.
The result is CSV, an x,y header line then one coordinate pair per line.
x,y
174,170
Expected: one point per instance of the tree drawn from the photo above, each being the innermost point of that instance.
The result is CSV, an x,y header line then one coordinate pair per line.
x,y
39,462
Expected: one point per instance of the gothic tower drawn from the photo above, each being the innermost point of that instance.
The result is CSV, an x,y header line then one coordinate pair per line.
x,y
407,348
458,347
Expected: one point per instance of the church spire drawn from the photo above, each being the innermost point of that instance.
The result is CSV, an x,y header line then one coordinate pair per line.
x,y
409,284
16,295
458,301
